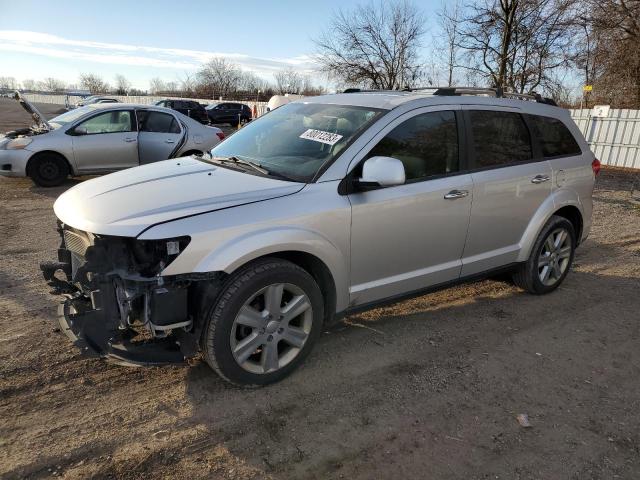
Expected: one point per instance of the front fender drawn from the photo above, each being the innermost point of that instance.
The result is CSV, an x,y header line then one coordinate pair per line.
x,y
553,203
237,251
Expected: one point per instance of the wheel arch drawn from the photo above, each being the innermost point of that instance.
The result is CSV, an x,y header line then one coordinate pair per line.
x,y
574,215
320,272
565,204
49,152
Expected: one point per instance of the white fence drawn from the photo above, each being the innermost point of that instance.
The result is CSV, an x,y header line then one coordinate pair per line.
x,y
261,107
614,139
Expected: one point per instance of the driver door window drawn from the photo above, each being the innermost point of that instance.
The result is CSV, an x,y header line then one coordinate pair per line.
x,y
108,122
107,141
426,144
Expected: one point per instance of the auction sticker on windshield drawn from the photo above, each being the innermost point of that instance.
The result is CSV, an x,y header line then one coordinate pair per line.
x,y
321,136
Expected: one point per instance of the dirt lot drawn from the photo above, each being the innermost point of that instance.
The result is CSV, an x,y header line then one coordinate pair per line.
x,y
429,388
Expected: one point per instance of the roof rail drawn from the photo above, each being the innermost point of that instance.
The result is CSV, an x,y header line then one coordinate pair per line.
x,y
497,92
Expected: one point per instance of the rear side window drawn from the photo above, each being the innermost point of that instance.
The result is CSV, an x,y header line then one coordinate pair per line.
x,y
555,138
157,122
499,138
427,145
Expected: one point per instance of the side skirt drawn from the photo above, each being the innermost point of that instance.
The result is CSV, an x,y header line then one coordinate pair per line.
x,y
422,291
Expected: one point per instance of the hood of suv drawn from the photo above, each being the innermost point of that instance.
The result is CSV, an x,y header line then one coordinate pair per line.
x,y
127,202
38,118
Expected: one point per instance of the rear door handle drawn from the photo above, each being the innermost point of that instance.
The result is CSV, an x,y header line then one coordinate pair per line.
x,y
540,179
129,140
168,140
453,194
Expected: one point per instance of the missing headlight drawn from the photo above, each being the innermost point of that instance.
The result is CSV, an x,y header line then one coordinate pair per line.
x,y
153,256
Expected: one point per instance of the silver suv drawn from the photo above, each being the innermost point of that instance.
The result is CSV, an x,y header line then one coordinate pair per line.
x,y
321,208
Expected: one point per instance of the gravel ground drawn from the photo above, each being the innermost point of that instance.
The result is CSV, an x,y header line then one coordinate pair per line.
x,y
428,388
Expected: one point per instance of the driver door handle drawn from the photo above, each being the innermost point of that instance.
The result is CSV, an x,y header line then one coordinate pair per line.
x,y
540,179
453,194
129,140
168,140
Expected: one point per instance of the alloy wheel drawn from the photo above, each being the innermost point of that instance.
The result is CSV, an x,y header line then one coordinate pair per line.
x,y
271,328
554,257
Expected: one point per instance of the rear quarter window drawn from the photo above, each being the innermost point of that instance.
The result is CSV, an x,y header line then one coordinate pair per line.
x,y
554,137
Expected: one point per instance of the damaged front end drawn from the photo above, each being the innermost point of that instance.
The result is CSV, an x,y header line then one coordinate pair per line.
x,y
117,305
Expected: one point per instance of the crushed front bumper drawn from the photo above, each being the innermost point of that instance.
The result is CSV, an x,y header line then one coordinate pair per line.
x,y
116,314
91,331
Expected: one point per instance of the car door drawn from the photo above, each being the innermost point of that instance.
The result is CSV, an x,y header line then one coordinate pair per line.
x,y
160,133
408,237
214,113
510,181
106,141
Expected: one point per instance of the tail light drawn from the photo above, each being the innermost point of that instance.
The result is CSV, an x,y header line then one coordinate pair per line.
x,y
221,137
595,166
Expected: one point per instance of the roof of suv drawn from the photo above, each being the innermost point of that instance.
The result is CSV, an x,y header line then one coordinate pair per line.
x,y
388,100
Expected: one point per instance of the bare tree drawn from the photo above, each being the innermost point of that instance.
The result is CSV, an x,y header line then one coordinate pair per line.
x,y
188,83
614,66
29,84
518,44
93,83
449,19
171,87
375,45
122,85
8,83
156,85
218,77
288,81
51,84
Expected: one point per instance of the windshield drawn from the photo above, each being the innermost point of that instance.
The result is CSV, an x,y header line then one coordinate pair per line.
x,y
70,116
297,139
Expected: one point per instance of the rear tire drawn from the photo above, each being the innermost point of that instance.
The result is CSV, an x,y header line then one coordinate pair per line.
x,y
551,258
48,170
263,323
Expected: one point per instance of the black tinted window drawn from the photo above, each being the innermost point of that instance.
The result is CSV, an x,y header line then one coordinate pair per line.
x,y
427,145
157,122
554,137
499,138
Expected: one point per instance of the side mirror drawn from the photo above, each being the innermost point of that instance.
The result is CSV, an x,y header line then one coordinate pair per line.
x,y
381,172
80,131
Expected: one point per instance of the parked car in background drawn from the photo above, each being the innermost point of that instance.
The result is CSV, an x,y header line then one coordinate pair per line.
x,y
190,108
228,112
95,99
100,138
279,100
322,208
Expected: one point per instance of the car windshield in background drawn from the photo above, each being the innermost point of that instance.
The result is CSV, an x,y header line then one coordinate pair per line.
x,y
297,139
70,116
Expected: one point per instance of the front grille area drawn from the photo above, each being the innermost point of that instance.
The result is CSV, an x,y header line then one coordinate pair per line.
x,y
76,242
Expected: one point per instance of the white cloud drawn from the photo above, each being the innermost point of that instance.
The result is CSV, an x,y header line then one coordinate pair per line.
x,y
53,46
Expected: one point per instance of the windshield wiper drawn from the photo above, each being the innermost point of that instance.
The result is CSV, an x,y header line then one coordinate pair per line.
x,y
239,161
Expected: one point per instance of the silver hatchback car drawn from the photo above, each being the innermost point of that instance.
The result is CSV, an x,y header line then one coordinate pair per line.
x,y
321,208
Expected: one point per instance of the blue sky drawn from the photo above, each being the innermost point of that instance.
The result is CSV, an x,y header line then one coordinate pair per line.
x,y
143,39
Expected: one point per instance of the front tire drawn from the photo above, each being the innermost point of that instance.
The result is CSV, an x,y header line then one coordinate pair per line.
x,y
551,258
264,323
48,170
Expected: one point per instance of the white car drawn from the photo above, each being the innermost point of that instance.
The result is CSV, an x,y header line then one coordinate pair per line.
x,y
100,138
